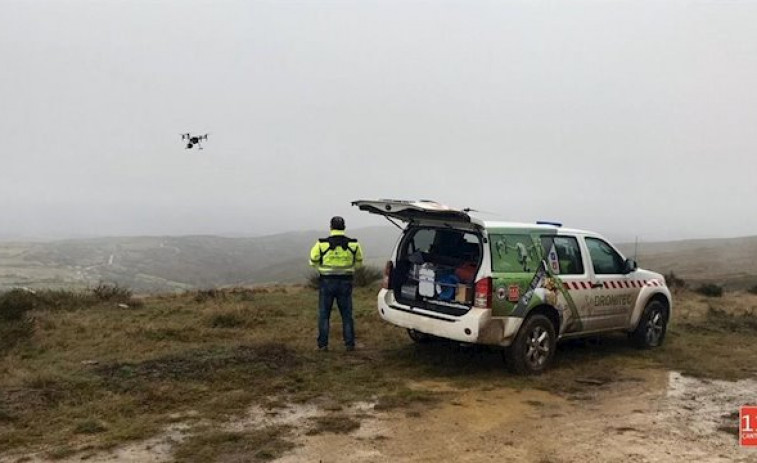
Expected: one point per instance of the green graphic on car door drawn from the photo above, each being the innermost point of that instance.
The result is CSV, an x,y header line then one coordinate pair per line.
x,y
525,269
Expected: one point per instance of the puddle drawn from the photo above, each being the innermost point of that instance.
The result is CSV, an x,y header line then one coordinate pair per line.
x,y
646,416
703,405
651,416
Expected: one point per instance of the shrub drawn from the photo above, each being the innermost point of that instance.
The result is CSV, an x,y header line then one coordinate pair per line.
x,y
62,299
313,279
753,289
674,282
710,290
14,332
16,303
366,275
719,319
89,427
15,323
226,320
204,295
111,292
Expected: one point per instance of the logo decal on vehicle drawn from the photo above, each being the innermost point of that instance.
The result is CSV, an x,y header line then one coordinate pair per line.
x,y
501,293
513,293
554,263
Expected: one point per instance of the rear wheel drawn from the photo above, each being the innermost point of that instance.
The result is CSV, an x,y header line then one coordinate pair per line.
x,y
534,346
419,337
652,327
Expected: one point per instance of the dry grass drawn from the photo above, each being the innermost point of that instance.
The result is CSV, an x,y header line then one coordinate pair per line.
x,y
335,423
255,446
103,375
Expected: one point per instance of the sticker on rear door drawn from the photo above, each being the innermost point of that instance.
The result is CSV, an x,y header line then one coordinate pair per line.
x,y
513,293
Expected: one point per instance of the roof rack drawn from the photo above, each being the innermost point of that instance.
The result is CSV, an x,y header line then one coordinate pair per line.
x,y
546,222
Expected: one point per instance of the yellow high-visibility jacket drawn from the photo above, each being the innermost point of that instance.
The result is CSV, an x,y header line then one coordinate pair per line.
x,y
336,255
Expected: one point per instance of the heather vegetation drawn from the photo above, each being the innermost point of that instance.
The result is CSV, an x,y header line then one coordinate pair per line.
x,y
364,277
88,372
710,290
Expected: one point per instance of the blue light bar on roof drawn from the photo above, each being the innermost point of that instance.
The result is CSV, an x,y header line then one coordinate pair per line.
x,y
546,222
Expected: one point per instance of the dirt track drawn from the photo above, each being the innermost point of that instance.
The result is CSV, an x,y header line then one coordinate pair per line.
x,y
643,416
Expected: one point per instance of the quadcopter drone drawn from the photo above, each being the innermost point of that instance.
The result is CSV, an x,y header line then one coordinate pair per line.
x,y
193,140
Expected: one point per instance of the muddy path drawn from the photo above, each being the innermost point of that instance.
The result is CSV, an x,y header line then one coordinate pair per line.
x,y
645,416
641,416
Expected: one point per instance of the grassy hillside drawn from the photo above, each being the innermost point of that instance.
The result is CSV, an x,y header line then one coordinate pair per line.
x,y
159,264
79,372
156,264
731,262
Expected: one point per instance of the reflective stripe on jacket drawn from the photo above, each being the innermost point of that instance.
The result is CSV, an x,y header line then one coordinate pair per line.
x,y
336,255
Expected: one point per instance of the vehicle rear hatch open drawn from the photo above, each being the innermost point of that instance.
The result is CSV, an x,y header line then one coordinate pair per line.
x,y
413,211
437,258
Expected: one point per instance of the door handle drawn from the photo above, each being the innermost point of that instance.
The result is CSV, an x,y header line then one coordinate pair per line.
x,y
597,285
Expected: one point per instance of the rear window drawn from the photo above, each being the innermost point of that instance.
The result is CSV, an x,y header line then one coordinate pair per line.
x,y
457,244
514,253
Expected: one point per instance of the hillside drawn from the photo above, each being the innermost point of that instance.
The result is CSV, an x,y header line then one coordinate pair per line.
x,y
728,261
170,263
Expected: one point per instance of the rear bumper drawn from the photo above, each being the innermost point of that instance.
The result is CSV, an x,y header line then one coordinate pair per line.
x,y
476,326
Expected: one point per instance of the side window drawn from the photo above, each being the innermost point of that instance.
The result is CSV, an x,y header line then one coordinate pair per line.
x,y
604,258
513,253
568,253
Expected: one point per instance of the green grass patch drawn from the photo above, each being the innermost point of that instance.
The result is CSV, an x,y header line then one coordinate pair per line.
x,y
335,424
257,446
404,398
110,375
89,427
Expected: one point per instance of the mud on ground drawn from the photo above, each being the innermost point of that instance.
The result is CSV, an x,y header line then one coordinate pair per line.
x,y
639,416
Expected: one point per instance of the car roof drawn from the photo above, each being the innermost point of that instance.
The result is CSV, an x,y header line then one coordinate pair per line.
x,y
490,224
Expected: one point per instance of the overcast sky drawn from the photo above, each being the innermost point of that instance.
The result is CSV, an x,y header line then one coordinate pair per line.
x,y
633,118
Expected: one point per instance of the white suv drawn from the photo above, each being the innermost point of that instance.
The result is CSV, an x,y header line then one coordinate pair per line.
x,y
517,285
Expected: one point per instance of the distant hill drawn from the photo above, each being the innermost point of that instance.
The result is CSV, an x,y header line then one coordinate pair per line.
x,y
149,264
728,261
171,263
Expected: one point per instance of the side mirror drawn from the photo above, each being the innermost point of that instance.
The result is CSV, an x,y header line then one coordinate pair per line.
x,y
629,266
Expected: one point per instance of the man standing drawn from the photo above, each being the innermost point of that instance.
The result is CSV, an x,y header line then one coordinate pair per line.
x,y
336,258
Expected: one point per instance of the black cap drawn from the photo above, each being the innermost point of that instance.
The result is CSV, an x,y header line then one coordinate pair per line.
x,y
337,223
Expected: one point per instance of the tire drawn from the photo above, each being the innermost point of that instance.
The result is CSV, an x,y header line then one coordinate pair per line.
x,y
533,348
652,326
419,337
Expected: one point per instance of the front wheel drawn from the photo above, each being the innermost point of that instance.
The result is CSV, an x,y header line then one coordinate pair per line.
x,y
533,347
652,326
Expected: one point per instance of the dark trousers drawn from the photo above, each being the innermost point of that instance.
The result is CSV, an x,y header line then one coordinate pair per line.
x,y
341,290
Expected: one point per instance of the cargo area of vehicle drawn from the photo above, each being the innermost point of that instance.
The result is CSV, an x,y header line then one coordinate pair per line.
x,y
436,268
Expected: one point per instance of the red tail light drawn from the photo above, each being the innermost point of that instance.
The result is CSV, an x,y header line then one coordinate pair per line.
x,y
483,296
386,283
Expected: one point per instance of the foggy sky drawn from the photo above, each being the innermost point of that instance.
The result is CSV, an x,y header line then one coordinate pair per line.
x,y
628,118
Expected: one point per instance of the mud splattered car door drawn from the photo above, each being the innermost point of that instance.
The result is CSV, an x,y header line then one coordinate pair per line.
x,y
566,262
